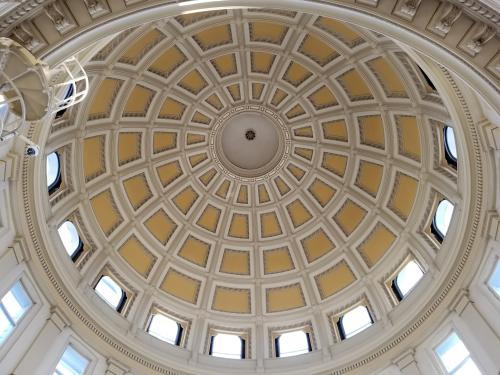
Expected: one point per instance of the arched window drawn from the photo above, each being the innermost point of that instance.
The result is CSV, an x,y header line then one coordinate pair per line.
x,y
165,329
54,178
494,280
292,343
111,293
455,357
227,346
354,321
70,239
442,219
406,279
71,363
450,146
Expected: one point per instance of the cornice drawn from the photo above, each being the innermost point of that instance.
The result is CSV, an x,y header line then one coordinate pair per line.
x,y
26,9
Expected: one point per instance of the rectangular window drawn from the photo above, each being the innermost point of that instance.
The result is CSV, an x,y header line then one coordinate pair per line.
x,y
14,304
455,357
494,280
71,363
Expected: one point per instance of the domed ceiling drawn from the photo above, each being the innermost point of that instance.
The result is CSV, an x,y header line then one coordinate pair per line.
x,y
168,177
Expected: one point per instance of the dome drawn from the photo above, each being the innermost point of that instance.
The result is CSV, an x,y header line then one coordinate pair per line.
x,y
254,173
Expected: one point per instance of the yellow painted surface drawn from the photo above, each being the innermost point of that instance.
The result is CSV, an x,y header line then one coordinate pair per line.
x,y
181,286
284,298
168,173
334,163
376,244
339,29
243,194
164,141
231,300
317,50
403,195
168,61
369,177
267,32
235,262
223,189
215,102
138,48
304,131
208,176
225,65
298,213
138,191
105,211
261,62
193,82
213,37
355,86
321,191
161,226
200,118
278,97
196,159
263,194
335,130
209,218
194,138
322,98
349,217
295,111
185,199
277,260
408,137
306,153
282,186
296,74
104,97
296,171
388,77
138,102
239,227
371,129
257,89
234,91
94,163
195,251
137,256
172,109
129,147
316,245
334,280
269,225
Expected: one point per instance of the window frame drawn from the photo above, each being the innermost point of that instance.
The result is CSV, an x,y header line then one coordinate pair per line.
x,y
70,344
435,231
451,160
15,324
242,333
340,326
392,284
123,299
36,304
276,343
440,340
56,185
243,344
81,246
182,326
127,290
496,264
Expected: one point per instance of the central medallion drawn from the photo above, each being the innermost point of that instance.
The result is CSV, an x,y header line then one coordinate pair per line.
x,y
249,142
